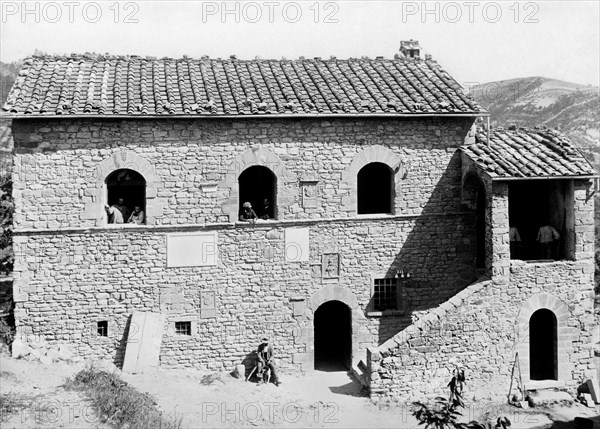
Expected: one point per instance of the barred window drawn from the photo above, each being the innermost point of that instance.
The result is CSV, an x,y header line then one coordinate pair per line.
x,y
183,328
385,294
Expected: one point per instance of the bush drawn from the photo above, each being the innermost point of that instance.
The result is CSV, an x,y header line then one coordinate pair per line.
x,y
7,209
7,332
444,413
9,404
118,403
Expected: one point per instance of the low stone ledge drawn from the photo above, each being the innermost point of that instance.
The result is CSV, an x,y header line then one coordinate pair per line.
x,y
385,313
263,224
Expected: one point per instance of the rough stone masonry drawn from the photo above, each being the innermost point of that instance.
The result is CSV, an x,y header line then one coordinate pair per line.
x,y
224,284
73,271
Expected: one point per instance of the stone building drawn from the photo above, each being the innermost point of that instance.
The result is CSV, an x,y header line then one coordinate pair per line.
x,y
386,247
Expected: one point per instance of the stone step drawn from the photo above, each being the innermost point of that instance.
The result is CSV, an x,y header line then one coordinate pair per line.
x,y
543,397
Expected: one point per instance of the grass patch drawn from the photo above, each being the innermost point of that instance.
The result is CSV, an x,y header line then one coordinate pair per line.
x,y
119,404
14,403
209,379
10,404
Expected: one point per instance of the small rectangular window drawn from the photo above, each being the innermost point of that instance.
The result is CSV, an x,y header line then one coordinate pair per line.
x,y
385,294
183,328
102,328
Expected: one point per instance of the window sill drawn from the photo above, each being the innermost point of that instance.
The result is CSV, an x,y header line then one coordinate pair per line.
x,y
178,337
374,215
385,313
519,262
258,222
103,339
162,227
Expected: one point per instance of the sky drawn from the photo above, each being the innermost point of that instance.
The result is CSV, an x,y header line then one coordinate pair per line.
x,y
475,41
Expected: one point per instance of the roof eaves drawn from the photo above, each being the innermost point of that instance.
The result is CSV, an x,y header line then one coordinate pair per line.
x,y
236,116
568,176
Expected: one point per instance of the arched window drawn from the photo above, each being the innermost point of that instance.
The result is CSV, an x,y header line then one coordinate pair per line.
x,y
543,350
474,199
127,193
375,189
258,186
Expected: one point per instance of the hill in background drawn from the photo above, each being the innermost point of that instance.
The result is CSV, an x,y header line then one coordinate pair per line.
x,y
569,107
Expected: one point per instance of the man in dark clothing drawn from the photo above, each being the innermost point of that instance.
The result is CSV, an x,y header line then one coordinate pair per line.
x,y
265,358
266,212
123,209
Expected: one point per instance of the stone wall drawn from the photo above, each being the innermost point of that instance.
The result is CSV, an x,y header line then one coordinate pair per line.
x,y
486,324
72,270
69,281
192,166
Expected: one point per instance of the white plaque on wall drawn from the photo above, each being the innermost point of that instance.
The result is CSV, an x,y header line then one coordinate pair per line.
x,y
296,244
191,249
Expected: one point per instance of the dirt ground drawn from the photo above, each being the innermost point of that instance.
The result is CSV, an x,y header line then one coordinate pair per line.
x,y
39,399
201,400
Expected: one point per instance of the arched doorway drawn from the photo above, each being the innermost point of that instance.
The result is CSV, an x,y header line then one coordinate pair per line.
x,y
256,184
333,337
375,189
543,350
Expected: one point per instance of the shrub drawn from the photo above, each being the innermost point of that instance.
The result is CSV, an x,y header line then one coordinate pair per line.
x,y
444,413
7,332
6,219
118,403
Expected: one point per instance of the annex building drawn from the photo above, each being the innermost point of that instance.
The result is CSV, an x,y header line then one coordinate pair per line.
x,y
386,239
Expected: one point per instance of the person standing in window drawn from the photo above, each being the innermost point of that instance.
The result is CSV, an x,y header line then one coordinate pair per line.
x,y
546,237
247,214
122,208
114,214
515,242
137,216
265,213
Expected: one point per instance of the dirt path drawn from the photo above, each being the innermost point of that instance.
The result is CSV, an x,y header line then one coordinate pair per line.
x,y
321,400
38,398
325,399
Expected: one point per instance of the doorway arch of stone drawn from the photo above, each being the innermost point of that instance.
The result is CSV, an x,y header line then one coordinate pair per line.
x,y
256,157
564,345
333,336
361,337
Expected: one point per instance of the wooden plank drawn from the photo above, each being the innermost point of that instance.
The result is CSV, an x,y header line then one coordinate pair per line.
x,y
151,340
143,342
594,390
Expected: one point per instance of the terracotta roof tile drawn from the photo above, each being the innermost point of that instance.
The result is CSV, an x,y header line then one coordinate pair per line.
x,y
527,153
135,86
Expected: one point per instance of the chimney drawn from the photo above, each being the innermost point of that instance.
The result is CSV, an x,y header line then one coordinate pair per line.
x,y
410,48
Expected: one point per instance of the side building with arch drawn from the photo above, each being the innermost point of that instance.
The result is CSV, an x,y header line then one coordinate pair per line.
x,y
379,209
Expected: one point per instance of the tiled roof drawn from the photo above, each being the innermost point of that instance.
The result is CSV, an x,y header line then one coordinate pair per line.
x,y
527,153
135,86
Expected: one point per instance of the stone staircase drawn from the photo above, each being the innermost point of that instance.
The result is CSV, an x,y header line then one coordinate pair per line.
x,y
361,370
